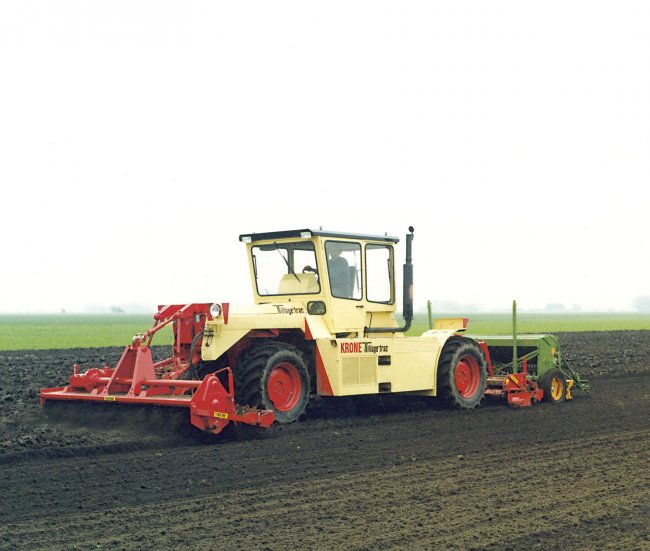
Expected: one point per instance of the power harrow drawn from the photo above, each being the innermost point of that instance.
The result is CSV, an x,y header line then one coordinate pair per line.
x,y
137,379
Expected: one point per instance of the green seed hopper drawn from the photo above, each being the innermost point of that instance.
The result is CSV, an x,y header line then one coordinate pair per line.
x,y
541,353
526,368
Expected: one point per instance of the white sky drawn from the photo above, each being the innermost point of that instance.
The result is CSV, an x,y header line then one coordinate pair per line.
x,y
139,139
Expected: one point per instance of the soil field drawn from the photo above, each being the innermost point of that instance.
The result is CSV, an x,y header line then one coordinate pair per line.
x,y
364,474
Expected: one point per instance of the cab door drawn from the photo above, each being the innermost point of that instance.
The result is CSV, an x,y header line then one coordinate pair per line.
x,y
344,261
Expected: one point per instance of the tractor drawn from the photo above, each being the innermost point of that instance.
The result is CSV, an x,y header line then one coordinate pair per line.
x,y
323,323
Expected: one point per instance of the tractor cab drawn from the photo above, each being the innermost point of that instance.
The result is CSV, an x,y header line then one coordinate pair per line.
x,y
348,279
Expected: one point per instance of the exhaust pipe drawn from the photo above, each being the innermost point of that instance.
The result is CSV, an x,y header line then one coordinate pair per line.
x,y
407,290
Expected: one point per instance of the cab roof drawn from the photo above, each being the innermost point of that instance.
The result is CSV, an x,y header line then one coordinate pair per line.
x,y
307,233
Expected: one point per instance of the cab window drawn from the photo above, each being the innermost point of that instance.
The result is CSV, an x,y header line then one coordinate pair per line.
x,y
379,285
344,269
285,268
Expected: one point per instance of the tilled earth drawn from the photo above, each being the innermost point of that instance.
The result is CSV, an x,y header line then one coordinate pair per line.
x,y
364,474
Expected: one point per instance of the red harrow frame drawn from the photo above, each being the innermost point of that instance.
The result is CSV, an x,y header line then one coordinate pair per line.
x,y
138,380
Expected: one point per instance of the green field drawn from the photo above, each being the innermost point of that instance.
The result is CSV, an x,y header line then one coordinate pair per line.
x,y
33,332
47,331
499,324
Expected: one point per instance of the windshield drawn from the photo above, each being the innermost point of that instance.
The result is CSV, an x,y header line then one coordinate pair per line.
x,y
286,268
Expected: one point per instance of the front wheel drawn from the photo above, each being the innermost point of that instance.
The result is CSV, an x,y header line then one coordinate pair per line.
x,y
274,376
462,375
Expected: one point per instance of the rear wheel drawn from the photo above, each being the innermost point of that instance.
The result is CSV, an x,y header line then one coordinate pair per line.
x,y
462,375
553,383
273,375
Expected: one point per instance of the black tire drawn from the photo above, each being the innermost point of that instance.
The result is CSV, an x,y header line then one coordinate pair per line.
x,y
266,366
465,389
554,385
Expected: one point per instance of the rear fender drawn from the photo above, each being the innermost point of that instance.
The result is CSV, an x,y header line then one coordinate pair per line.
x,y
443,336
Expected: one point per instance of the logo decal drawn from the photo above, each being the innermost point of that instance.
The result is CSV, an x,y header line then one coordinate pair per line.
x,y
362,347
290,311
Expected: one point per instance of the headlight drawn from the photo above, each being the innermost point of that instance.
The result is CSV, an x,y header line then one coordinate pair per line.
x,y
316,308
215,310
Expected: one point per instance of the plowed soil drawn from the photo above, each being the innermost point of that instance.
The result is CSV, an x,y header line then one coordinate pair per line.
x,y
363,474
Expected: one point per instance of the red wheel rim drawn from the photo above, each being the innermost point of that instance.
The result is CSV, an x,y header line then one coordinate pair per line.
x,y
467,376
284,386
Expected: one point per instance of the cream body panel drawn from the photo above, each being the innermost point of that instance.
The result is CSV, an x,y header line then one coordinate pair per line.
x,y
397,363
219,337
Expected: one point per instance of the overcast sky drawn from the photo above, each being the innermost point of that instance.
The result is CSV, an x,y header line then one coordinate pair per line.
x,y
139,139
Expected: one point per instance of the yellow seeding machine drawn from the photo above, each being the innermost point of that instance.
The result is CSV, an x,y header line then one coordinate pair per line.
x,y
322,324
